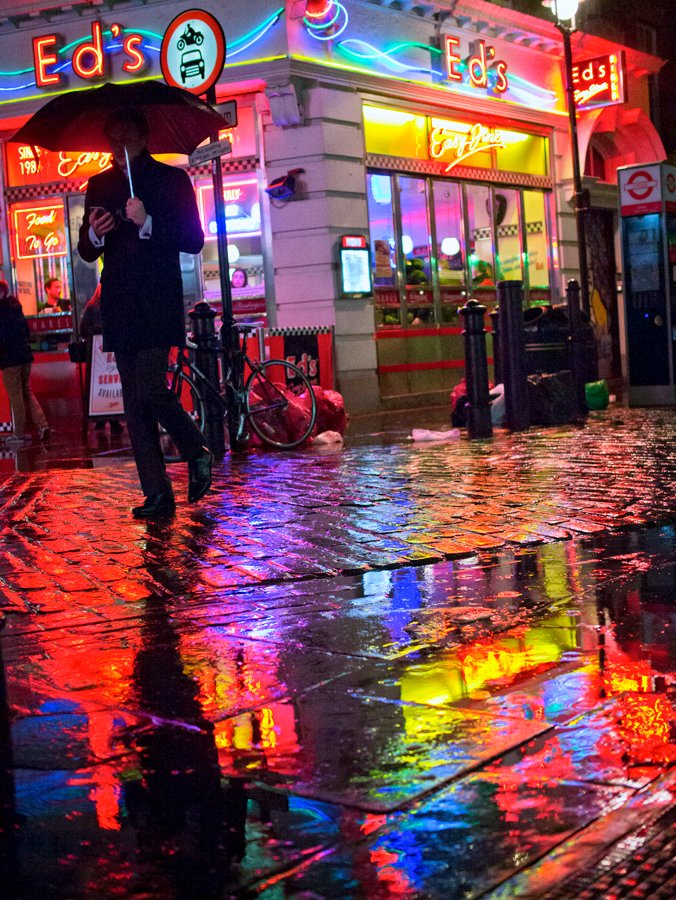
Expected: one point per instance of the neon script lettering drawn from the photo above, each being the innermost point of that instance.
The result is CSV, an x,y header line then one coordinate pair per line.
x,y
480,65
460,145
68,165
88,59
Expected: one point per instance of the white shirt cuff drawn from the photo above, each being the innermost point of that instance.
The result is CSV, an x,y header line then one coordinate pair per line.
x,y
146,230
96,241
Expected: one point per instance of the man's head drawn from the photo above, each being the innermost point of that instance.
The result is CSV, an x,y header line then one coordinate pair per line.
x,y
126,128
53,290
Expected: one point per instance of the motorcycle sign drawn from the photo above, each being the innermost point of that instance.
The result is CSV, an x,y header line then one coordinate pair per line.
x,y
193,51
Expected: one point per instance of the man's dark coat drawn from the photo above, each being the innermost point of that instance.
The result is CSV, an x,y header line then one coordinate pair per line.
x,y
141,288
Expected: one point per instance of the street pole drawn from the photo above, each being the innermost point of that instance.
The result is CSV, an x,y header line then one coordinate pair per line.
x,y
229,338
579,196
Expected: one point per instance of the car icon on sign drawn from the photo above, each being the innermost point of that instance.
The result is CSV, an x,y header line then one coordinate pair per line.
x,y
191,64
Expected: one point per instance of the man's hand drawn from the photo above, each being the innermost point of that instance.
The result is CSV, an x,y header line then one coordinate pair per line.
x,y
136,211
101,220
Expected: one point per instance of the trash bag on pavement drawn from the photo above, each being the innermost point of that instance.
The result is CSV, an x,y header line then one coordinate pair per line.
x,y
284,428
331,415
552,399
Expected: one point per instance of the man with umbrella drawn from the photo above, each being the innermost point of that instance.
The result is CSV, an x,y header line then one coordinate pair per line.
x,y
140,214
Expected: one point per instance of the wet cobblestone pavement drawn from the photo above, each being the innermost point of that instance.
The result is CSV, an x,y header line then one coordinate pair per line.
x,y
393,670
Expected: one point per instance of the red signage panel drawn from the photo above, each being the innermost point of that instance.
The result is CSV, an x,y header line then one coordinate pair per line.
x,y
599,81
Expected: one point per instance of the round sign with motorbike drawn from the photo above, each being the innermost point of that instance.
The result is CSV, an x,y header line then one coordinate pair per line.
x,y
193,51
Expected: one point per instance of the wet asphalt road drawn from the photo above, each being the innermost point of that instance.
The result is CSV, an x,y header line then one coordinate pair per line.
x,y
393,670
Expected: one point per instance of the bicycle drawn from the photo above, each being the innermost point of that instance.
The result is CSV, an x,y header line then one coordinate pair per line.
x,y
262,401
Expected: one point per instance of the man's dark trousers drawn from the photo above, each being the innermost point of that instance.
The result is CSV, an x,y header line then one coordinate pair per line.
x,y
147,401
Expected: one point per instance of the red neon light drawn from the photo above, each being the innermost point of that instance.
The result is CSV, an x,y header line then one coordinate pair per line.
x,y
479,64
317,9
40,231
42,59
599,81
94,49
452,58
130,45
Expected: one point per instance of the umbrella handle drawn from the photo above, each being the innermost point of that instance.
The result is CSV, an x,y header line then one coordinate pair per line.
x,y
131,183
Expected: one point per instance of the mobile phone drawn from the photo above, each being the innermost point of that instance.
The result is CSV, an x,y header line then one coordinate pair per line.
x,y
99,210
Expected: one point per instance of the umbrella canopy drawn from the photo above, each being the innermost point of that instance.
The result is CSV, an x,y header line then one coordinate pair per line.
x,y
178,120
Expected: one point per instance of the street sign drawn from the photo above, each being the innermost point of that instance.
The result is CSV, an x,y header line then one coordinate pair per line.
x,y
210,151
229,112
193,51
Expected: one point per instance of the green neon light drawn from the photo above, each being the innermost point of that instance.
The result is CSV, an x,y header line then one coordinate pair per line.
x,y
441,89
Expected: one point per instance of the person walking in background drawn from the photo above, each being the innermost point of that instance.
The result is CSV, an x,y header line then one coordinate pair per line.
x,y
91,324
140,232
15,361
53,302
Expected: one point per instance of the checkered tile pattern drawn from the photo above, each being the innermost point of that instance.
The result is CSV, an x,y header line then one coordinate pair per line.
x,y
471,173
229,166
285,332
33,191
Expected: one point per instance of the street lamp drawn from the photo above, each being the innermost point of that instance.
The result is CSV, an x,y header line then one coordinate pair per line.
x,y
564,12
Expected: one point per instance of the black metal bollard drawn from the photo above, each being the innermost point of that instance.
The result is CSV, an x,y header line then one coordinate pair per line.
x,y
494,316
577,352
204,335
513,355
476,371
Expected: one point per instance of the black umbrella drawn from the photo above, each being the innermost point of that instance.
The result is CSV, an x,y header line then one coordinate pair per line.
x,y
178,120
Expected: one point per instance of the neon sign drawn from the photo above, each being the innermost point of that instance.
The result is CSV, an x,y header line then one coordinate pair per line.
x,y
445,142
88,59
480,65
599,81
40,231
24,167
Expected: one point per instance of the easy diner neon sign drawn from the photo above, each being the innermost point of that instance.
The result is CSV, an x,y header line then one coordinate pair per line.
x,y
480,65
88,59
460,145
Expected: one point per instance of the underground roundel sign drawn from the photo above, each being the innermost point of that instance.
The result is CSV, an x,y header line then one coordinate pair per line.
x,y
193,51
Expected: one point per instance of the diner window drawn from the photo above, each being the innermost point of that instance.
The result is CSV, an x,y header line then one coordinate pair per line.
x,y
480,236
450,247
508,235
379,191
536,242
416,250
245,244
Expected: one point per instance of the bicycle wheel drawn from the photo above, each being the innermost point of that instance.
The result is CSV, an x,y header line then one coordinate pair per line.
x,y
272,392
190,399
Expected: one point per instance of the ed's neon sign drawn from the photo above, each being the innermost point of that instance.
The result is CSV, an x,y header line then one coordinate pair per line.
x,y
599,81
88,59
480,65
460,145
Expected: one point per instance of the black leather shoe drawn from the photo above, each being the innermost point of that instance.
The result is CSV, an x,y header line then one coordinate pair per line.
x,y
199,476
156,506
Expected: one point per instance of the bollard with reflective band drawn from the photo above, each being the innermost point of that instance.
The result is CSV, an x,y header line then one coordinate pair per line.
x,y
513,355
204,335
476,371
494,316
577,353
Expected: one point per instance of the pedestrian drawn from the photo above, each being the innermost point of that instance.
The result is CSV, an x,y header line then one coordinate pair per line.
x,y
53,302
15,361
140,221
91,324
